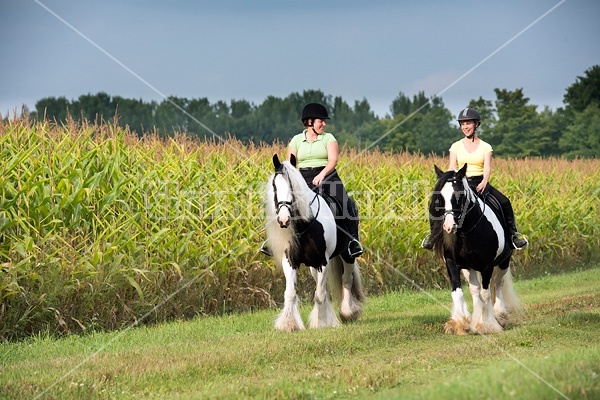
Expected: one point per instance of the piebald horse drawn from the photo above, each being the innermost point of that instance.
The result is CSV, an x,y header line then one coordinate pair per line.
x,y
468,235
301,229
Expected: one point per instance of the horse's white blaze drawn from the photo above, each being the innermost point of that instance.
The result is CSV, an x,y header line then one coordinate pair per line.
x,y
449,222
283,194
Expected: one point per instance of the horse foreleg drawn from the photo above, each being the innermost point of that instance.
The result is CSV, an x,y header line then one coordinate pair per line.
x,y
322,314
459,318
483,320
289,319
351,306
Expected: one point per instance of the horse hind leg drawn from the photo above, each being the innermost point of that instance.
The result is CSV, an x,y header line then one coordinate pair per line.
x,y
322,314
505,298
289,319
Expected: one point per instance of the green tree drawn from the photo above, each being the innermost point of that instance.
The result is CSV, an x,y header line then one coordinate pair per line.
x,y
516,132
434,132
135,114
582,137
53,108
94,107
170,116
405,106
585,90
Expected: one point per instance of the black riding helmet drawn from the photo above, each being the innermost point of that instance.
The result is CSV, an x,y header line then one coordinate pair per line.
x,y
314,111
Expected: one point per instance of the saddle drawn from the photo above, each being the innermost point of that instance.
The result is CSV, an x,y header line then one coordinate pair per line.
x,y
333,203
494,204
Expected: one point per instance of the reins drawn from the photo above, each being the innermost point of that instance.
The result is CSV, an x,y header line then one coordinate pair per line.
x,y
464,215
480,217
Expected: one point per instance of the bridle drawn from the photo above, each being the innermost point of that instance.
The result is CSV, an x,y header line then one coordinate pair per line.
x,y
290,204
458,213
282,203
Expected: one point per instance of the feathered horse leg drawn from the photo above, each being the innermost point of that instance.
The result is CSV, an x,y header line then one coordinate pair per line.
x,y
347,279
322,314
289,319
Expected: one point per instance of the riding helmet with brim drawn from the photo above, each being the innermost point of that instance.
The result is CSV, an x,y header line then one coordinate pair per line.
x,y
468,114
314,111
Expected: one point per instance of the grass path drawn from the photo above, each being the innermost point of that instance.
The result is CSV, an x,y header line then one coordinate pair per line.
x,y
397,350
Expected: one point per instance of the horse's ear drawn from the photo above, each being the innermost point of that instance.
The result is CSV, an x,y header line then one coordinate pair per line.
x,y
293,160
276,162
438,171
461,172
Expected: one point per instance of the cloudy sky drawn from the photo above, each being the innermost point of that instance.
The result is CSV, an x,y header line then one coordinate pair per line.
x,y
250,49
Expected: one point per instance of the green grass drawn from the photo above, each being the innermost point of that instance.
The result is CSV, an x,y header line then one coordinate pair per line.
x,y
396,350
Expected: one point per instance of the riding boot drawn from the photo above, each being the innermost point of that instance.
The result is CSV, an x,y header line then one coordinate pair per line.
x,y
355,249
427,242
509,217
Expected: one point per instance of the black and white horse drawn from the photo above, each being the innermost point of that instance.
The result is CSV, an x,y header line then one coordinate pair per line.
x,y
468,235
301,229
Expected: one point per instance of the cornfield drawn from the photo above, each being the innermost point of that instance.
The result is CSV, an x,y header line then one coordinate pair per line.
x,y
100,229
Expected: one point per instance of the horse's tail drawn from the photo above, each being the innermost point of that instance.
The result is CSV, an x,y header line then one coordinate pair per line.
x,y
335,278
510,296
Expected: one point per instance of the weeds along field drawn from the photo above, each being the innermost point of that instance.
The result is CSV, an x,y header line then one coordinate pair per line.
x,y
100,229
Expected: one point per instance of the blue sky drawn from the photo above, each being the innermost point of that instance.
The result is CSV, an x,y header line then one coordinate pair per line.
x,y
225,50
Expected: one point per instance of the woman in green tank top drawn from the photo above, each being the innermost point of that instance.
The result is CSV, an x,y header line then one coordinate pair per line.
x,y
316,152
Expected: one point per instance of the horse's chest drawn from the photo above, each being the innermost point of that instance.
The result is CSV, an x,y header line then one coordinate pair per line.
x,y
311,247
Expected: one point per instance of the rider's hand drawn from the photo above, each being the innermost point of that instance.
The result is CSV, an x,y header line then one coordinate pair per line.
x,y
317,180
481,187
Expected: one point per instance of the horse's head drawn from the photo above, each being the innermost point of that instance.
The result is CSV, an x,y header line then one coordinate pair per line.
x,y
289,195
283,193
449,200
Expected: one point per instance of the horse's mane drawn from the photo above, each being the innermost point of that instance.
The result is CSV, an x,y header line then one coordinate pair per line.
x,y
302,193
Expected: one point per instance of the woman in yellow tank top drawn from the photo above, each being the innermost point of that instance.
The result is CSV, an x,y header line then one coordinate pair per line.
x,y
477,154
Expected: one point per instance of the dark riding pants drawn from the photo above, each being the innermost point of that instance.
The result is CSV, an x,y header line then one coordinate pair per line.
x,y
332,185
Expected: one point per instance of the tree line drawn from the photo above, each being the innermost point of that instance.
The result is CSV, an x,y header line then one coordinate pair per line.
x,y
513,126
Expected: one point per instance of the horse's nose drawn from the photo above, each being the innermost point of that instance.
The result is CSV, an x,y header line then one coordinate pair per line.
x,y
283,223
449,224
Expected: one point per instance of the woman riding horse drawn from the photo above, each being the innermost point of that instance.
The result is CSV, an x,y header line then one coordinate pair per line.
x,y
477,154
317,155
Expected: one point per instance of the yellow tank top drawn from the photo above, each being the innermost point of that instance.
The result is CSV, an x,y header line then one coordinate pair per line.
x,y
474,160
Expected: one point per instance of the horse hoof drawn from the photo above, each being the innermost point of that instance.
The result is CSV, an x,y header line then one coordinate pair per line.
x,y
454,327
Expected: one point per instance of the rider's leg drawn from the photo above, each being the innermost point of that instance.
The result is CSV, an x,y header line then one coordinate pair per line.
x,y
509,217
427,242
355,249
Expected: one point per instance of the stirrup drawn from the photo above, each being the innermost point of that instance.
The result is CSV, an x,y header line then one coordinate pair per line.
x,y
265,249
518,243
356,252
